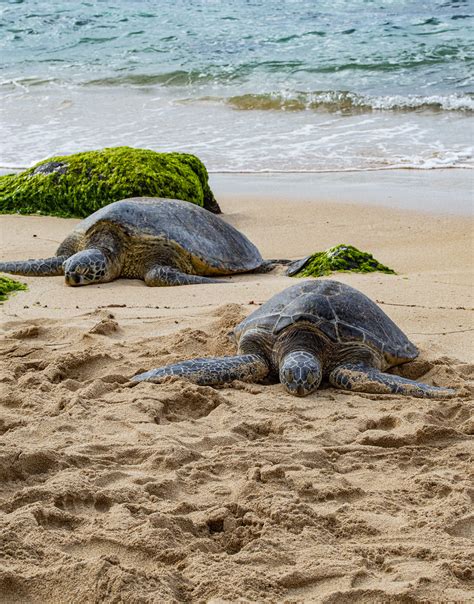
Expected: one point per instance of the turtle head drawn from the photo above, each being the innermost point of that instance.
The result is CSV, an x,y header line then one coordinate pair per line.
x,y
300,372
86,267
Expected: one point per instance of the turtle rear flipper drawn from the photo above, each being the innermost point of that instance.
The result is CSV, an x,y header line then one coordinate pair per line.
x,y
211,371
271,264
362,378
45,267
297,265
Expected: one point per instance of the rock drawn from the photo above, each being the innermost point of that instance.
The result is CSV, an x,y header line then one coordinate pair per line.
x,y
80,184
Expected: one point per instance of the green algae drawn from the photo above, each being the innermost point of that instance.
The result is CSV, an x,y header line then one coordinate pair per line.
x,y
78,185
7,286
340,258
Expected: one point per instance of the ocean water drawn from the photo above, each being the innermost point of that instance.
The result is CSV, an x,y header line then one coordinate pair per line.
x,y
248,85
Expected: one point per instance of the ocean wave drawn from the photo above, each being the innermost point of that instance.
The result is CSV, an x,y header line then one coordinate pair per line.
x,y
130,80
345,102
172,78
30,82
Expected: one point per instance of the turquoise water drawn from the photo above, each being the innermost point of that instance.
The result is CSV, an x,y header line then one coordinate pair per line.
x,y
247,85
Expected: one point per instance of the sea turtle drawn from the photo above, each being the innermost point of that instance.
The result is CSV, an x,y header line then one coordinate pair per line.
x,y
162,241
310,331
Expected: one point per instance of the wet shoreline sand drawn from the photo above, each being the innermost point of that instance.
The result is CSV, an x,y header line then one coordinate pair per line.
x,y
446,192
176,492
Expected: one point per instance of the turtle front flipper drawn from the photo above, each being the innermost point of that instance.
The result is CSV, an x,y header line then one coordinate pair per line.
x,y
362,378
45,267
163,276
212,371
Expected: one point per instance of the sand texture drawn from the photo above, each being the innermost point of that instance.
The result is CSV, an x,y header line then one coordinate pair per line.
x,y
182,493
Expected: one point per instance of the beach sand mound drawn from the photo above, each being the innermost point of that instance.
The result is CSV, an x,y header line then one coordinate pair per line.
x,y
183,493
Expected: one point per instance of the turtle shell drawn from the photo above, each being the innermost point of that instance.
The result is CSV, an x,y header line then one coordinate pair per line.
x,y
213,241
339,311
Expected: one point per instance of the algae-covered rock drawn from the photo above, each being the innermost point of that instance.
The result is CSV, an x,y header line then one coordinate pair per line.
x,y
338,258
80,184
7,286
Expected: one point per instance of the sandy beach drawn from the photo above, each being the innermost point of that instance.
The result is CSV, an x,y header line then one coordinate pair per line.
x,y
183,493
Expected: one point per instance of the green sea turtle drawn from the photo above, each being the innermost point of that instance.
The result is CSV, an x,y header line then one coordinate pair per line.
x,y
162,241
310,331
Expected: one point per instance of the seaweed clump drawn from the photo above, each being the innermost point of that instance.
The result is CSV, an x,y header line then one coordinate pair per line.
x,y
78,185
7,286
338,258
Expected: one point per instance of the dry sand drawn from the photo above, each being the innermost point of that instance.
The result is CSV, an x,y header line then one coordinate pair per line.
x,y
180,493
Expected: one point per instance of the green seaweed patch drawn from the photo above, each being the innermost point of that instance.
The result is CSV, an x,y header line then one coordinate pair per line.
x,y
7,286
341,258
78,185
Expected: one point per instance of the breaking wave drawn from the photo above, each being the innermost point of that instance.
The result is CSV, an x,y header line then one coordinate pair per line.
x,y
344,102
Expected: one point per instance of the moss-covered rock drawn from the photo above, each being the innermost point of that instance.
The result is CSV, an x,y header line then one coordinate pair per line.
x,y
339,258
7,286
80,184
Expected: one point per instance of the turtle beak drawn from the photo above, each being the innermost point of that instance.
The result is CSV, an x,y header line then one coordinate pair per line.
x,y
73,279
297,389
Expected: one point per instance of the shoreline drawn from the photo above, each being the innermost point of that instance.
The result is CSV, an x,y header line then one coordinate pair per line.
x,y
448,191
440,191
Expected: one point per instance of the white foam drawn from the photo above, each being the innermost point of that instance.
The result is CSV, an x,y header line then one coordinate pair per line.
x,y
46,122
